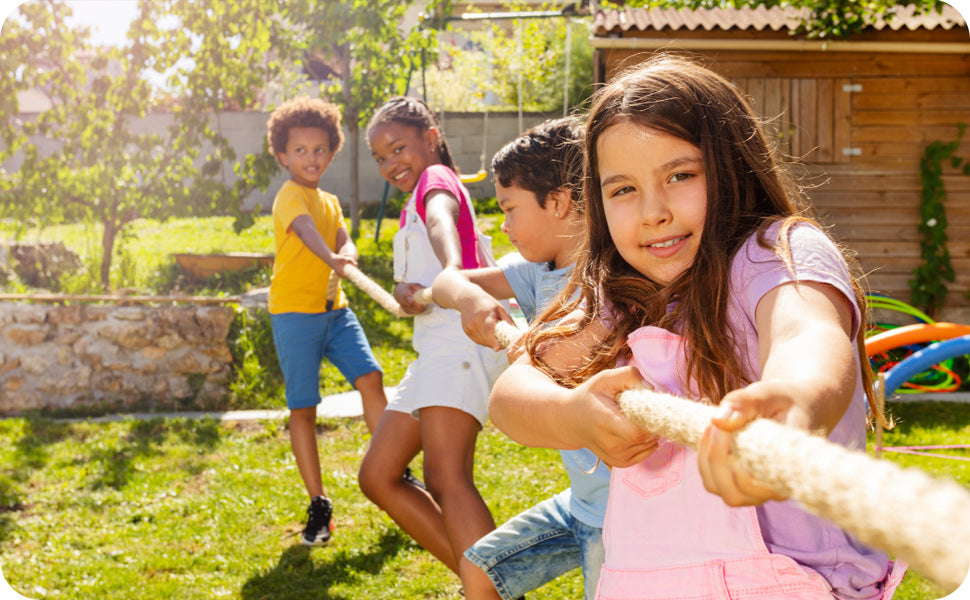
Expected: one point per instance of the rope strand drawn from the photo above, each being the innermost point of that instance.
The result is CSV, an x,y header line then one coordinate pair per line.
x,y
379,294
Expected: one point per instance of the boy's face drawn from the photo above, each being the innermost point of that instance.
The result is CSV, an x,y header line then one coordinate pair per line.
x,y
532,229
307,155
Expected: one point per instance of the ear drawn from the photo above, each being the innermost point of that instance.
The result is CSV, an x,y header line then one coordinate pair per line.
x,y
431,137
279,158
561,200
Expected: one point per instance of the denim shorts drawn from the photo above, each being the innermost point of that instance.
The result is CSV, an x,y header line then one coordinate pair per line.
x,y
537,546
303,340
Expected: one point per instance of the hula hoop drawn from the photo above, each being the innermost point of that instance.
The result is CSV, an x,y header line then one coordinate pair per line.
x,y
887,303
924,359
914,334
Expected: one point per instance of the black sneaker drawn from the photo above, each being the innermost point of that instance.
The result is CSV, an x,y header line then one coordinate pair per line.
x,y
410,478
319,523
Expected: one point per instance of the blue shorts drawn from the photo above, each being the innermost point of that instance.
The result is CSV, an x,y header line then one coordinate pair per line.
x,y
538,545
303,340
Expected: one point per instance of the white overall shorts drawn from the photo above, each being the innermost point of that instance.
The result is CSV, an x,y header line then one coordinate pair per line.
x,y
451,370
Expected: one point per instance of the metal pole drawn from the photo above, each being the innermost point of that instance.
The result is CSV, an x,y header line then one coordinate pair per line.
x,y
565,85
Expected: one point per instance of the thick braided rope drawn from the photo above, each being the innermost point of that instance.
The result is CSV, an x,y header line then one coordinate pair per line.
x,y
922,520
506,333
375,291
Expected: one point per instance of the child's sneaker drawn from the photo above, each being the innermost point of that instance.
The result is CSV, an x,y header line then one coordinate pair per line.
x,y
410,478
319,523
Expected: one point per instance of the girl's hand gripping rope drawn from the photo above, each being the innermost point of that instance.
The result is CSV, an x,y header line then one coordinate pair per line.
x,y
608,433
405,293
722,473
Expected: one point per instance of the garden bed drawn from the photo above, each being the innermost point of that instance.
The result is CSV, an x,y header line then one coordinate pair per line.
x,y
201,266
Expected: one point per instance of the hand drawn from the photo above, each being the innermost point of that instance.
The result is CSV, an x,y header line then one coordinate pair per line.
x,y
340,261
404,294
607,432
720,470
515,349
479,319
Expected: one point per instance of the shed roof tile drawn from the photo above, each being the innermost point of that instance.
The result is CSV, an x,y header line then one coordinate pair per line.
x,y
758,18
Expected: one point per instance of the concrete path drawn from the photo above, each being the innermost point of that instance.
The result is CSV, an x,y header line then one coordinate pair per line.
x,y
346,404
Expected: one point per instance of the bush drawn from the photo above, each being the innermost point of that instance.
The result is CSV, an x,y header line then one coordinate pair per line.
x,y
257,381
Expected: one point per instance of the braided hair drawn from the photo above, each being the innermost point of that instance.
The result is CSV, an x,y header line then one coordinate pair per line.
x,y
413,112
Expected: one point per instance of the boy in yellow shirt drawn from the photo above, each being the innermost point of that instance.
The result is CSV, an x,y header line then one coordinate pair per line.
x,y
311,241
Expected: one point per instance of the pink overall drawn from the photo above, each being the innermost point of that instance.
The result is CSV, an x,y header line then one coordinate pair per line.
x,y
666,537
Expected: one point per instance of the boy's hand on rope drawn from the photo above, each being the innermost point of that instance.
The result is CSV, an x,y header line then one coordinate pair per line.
x,y
603,429
404,294
722,473
516,349
340,261
479,319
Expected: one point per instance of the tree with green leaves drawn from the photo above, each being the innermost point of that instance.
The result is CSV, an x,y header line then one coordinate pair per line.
x,y
486,76
89,158
374,55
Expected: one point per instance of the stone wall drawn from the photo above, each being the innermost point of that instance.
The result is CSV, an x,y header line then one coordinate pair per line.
x,y
72,356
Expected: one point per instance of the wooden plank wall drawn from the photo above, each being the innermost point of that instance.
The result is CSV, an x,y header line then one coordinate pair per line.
x,y
860,123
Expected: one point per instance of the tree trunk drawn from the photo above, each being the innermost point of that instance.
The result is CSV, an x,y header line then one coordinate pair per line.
x,y
352,118
354,180
107,250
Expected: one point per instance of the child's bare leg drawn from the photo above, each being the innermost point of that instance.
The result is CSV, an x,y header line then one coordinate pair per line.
x,y
372,398
475,583
303,441
395,442
449,435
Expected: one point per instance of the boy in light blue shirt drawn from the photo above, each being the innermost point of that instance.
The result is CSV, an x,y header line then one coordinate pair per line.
x,y
539,189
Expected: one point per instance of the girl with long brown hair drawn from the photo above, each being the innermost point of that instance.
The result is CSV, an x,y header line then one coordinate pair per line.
x,y
704,274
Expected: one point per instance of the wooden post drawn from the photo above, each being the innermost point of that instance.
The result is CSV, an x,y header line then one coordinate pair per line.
x,y
881,407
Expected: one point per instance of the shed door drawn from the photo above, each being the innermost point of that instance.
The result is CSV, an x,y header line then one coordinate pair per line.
x,y
811,117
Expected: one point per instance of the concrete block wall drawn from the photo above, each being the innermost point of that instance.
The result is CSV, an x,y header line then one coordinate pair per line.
x,y
246,131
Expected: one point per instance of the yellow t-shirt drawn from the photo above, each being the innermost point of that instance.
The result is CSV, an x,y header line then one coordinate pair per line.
x,y
300,277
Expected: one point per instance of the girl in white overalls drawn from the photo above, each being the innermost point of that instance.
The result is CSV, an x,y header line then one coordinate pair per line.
x,y
441,403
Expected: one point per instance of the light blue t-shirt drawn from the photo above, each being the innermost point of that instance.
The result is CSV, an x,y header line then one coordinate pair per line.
x,y
535,285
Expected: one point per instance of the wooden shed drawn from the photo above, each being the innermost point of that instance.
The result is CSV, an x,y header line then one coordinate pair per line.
x,y
858,113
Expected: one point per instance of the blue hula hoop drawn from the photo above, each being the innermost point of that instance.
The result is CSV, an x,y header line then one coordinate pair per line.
x,y
924,359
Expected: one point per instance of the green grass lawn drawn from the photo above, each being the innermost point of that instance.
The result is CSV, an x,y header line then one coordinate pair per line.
x,y
199,509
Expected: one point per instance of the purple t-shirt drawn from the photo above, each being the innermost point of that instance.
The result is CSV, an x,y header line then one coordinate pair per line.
x,y
440,177
853,570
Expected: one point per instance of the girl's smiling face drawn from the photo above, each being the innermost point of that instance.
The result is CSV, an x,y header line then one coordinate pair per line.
x,y
403,152
654,196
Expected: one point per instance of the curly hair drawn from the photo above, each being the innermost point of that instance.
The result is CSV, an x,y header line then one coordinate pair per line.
x,y
303,112
544,159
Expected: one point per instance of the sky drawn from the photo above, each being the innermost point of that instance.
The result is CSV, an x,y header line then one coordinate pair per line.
x,y
108,19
